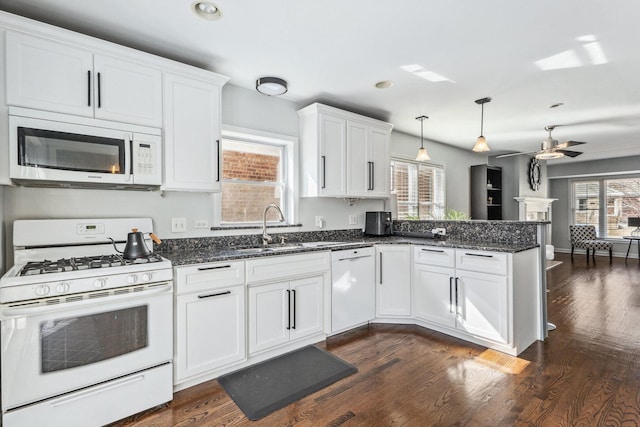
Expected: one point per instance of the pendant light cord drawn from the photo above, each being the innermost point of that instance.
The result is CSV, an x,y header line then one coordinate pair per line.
x,y
482,119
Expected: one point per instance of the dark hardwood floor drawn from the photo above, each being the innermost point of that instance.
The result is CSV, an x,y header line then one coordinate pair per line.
x,y
587,373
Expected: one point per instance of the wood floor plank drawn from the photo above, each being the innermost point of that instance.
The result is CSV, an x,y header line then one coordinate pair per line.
x,y
587,373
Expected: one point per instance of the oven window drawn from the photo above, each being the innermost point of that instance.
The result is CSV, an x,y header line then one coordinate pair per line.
x,y
78,341
69,151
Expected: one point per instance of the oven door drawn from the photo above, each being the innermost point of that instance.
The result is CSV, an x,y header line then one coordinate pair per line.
x,y
47,150
48,351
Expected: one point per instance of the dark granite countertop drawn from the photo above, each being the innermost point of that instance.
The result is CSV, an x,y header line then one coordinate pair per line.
x,y
199,256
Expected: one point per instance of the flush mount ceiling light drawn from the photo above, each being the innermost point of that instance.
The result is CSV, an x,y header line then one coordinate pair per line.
x,y
481,143
271,86
206,10
422,156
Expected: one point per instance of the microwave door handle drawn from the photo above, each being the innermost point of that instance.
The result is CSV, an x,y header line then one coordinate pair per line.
x,y
128,158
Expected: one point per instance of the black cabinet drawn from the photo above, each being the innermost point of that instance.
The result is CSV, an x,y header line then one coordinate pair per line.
x,y
486,192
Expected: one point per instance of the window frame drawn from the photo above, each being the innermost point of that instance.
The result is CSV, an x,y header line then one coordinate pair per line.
x,y
417,164
289,145
602,226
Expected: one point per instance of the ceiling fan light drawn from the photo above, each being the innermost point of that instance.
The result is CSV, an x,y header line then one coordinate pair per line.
x,y
422,156
551,155
481,145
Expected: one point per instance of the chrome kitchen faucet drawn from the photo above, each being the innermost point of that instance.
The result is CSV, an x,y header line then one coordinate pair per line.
x,y
266,239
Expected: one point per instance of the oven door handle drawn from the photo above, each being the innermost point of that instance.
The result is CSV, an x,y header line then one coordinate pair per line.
x,y
25,311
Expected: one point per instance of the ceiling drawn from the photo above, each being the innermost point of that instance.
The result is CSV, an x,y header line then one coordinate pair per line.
x,y
525,55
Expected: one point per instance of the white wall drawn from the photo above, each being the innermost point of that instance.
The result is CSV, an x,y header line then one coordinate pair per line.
x,y
244,108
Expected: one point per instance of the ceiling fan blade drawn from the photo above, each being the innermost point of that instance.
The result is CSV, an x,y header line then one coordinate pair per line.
x,y
569,153
569,144
514,154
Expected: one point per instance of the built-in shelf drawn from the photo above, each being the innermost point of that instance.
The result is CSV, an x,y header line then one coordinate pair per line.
x,y
486,192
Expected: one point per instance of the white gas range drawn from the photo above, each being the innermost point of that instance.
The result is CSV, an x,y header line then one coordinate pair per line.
x,y
86,335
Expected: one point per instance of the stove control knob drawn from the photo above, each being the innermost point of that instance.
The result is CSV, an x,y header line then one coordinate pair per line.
x,y
42,290
146,277
132,278
62,288
100,283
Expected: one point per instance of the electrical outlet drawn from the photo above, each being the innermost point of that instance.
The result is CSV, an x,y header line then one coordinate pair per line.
x,y
201,223
353,220
178,225
319,221
439,231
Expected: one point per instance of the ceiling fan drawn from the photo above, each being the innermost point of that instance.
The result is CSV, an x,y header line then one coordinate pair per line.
x,y
550,148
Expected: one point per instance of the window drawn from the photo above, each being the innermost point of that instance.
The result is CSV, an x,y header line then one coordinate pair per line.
x,y
607,203
255,173
420,189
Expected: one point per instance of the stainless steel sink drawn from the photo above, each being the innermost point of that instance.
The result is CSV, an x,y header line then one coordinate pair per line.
x,y
322,244
267,249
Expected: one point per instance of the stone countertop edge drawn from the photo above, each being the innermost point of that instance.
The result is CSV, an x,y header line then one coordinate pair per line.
x,y
187,257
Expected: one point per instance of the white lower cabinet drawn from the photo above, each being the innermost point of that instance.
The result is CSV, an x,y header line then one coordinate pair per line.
x,y
285,311
483,305
287,297
433,298
210,318
476,295
393,280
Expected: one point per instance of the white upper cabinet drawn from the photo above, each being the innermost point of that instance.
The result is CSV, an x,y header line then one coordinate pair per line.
x,y
53,76
343,154
192,133
127,92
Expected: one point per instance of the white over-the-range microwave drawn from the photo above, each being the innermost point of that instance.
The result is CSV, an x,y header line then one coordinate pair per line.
x,y
51,149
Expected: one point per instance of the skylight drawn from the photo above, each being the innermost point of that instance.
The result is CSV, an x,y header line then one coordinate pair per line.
x,y
420,71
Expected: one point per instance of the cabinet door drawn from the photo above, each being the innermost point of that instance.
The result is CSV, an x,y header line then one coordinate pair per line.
x,y
307,307
192,134
378,163
433,297
483,306
268,316
127,92
47,75
332,168
393,280
210,331
358,164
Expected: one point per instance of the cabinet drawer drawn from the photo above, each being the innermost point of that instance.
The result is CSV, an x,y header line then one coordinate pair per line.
x,y
481,261
282,267
208,276
431,255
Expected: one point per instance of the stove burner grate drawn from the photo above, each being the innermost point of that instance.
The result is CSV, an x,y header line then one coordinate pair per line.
x,y
83,263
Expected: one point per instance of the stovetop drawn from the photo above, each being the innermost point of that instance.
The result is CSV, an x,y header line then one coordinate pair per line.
x,y
83,263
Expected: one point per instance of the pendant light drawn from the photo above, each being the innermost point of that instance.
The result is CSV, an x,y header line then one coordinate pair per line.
x,y
481,143
422,156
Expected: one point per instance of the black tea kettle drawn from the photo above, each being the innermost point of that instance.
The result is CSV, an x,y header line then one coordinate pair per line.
x,y
136,247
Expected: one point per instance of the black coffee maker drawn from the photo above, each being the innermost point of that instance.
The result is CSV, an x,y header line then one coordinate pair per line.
x,y
377,223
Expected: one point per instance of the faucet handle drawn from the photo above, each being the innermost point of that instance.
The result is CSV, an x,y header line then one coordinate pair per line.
x,y
282,240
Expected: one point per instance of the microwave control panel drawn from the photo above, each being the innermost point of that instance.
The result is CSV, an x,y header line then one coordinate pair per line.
x,y
146,161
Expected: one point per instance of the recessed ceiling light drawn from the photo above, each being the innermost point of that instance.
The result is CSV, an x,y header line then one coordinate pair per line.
x,y
206,10
384,84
